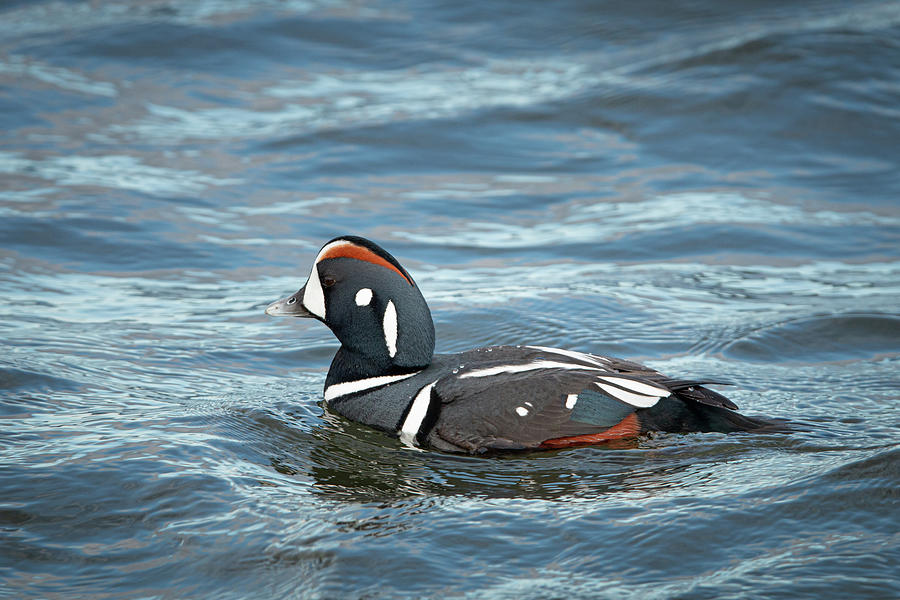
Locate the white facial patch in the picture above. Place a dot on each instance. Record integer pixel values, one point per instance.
(637, 386)
(389, 325)
(521, 411)
(314, 297)
(363, 297)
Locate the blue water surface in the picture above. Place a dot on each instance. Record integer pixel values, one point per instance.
(709, 187)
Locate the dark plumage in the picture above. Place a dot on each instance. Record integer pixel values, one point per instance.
(498, 398)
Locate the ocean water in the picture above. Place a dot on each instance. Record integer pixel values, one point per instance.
(711, 188)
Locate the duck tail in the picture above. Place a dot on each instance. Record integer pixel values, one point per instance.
(692, 407)
(692, 390)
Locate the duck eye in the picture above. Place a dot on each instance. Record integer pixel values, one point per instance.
(328, 281)
(292, 300)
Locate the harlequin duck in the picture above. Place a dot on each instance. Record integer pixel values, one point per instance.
(498, 398)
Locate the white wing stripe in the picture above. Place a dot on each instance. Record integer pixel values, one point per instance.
(637, 386)
(637, 400)
(597, 360)
(540, 364)
(351, 387)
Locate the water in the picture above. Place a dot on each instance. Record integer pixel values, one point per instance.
(711, 188)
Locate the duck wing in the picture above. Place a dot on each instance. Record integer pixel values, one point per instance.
(537, 403)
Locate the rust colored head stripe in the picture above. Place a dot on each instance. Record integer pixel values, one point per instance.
(350, 250)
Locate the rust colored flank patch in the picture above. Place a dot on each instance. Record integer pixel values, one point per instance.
(628, 427)
(348, 250)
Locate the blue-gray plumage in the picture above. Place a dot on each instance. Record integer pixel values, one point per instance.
(386, 375)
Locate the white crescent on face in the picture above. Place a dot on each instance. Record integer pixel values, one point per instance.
(313, 296)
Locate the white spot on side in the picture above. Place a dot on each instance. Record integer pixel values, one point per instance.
(637, 400)
(314, 297)
(571, 399)
(363, 297)
(351, 387)
(522, 411)
(539, 364)
(637, 386)
(389, 325)
(597, 360)
(416, 415)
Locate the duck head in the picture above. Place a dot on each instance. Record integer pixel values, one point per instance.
(370, 303)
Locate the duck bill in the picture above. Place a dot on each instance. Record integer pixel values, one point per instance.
(292, 306)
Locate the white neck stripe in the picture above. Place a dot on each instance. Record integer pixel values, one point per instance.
(351, 387)
(389, 326)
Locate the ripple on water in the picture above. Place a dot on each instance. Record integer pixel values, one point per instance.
(821, 339)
